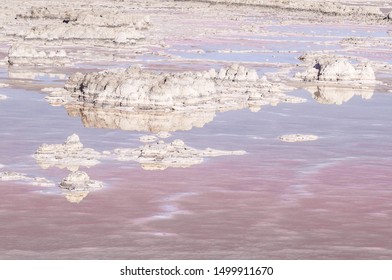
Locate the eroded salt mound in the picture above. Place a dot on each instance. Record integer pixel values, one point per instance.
(77, 185)
(161, 155)
(336, 69)
(70, 155)
(232, 87)
(22, 54)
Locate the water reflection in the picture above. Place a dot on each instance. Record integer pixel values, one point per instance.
(77, 185)
(338, 95)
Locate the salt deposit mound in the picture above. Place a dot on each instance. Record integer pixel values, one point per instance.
(70, 155)
(22, 54)
(336, 69)
(233, 87)
(77, 185)
(161, 155)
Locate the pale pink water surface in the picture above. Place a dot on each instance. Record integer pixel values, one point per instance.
(325, 199)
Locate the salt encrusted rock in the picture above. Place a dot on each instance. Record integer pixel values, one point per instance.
(161, 155)
(336, 69)
(78, 185)
(22, 54)
(70, 155)
(298, 138)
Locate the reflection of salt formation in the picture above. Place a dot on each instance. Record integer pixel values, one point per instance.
(70, 155)
(77, 185)
(22, 54)
(338, 95)
(159, 155)
(36, 181)
(134, 99)
(298, 137)
(140, 120)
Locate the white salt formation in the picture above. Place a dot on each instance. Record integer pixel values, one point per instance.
(336, 69)
(232, 87)
(136, 99)
(78, 185)
(298, 137)
(70, 155)
(22, 54)
(161, 155)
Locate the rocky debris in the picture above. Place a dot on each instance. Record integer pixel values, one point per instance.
(22, 54)
(15, 176)
(338, 95)
(161, 155)
(298, 137)
(70, 155)
(328, 68)
(77, 185)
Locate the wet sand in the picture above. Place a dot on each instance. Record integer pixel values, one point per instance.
(322, 199)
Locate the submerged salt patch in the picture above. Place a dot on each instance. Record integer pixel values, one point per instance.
(161, 155)
(298, 137)
(36, 181)
(77, 185)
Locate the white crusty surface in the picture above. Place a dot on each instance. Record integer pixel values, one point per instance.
(70, 155)
(161, 155)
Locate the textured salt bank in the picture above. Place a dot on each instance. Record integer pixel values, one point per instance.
(22, 54)
(70, 155)
(326, 7)
(23, 178)
(77, 185)
(161, 155)
(298, 137)
(233, 87)
(336, 69)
